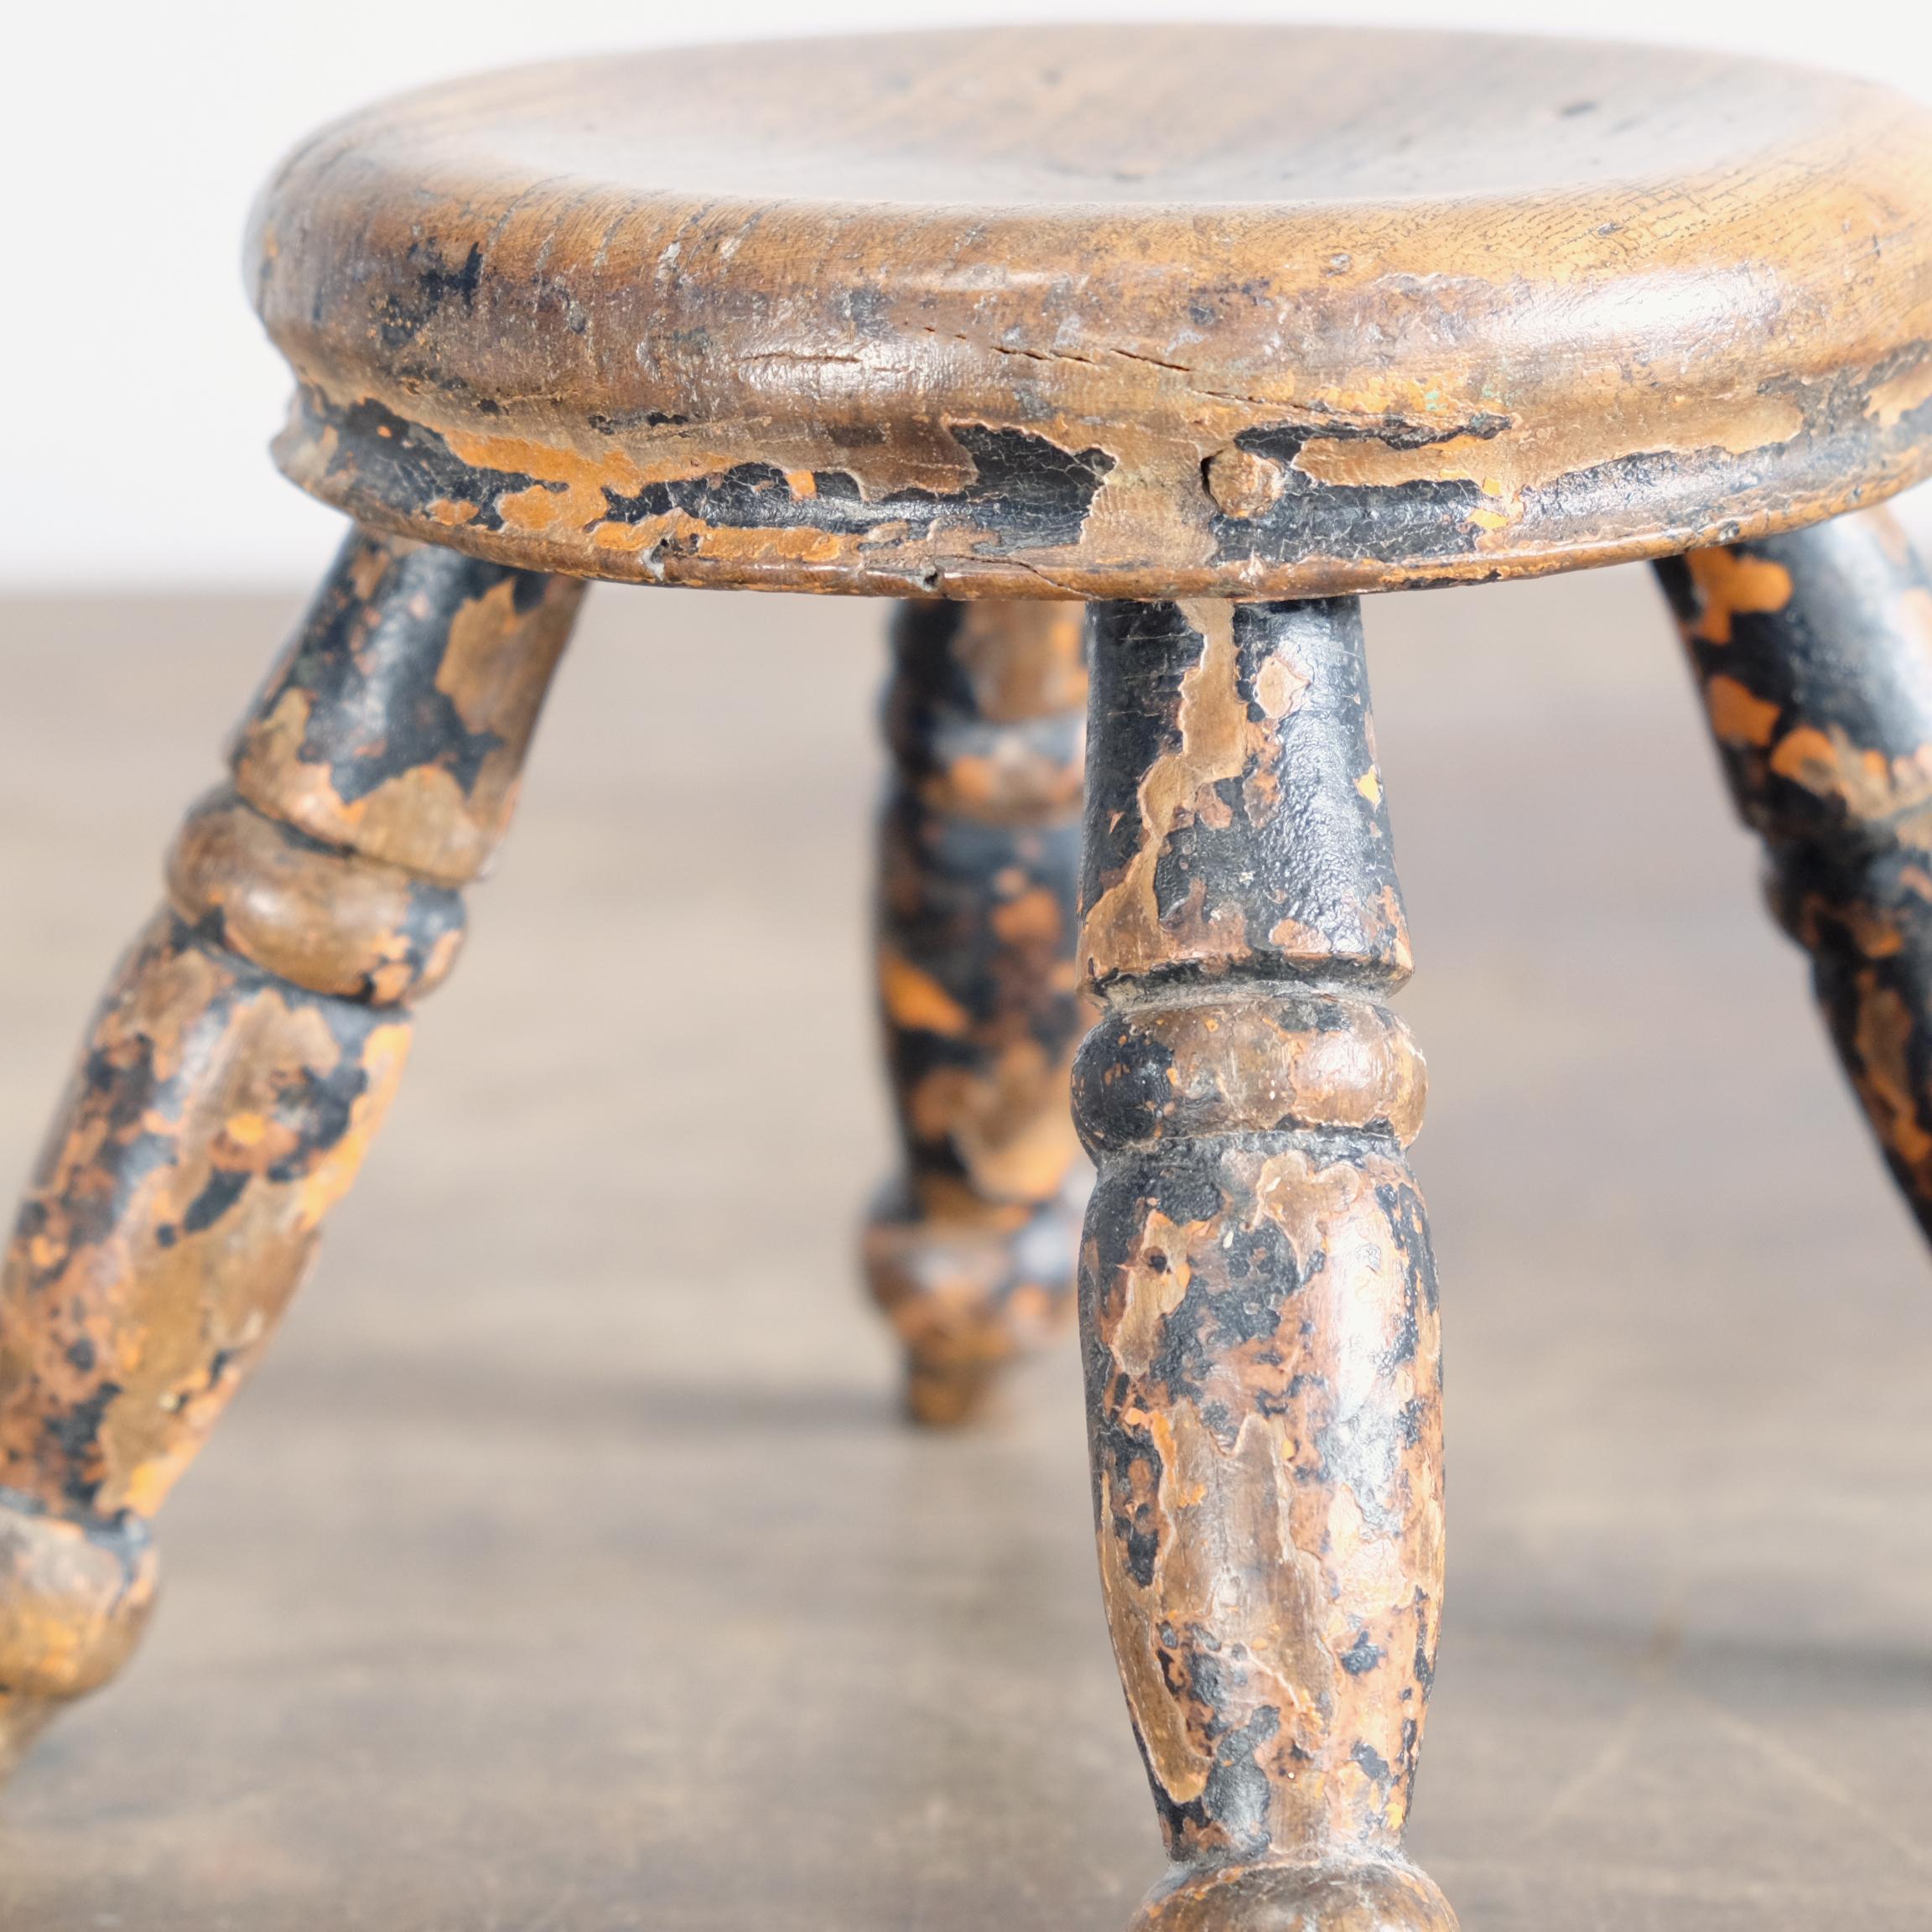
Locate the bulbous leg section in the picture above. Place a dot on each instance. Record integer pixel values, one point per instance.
(969, 1251)
(1369, 1897)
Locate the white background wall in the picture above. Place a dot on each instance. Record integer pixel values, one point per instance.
(139, 395)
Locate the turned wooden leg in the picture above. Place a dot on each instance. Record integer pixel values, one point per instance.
(242, 1060)
(970, 1249)
(1258, 1301)
(1813, 652)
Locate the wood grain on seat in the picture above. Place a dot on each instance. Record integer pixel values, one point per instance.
(1130, 312)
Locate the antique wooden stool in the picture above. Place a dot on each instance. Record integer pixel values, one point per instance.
(1214, 330)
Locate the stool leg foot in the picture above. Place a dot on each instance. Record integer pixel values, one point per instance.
(1258, 1298)
(969, 1250)
(1361, 1896)
(1814, 653)
(239, 1063)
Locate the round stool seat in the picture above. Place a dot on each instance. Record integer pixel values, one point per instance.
(1136, 312)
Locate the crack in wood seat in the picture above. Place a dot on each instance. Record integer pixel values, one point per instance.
(1241, 310)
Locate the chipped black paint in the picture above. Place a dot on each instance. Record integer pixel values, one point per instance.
(1258, 1297)
(1029, 504)
(403, 465)
(370, 667)
(403, 317)
(1398, 523)
(970, 1248)
(1813, 652)
(1405, 531)
(1026, 492)
(936, 723)
(134, 1102)
(946, 877)
(416, 665)
(1316, 859)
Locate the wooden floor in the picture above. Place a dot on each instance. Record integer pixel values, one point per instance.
(566, 1568)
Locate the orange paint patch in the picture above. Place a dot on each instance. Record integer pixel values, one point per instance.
(1731, 584)
(1899, 395)
(916, 1001)
(383, 1055)
(1738, 715)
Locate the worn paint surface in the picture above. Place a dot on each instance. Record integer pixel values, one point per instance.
(1161, 313)
(1814, 653)
(239, 1066)
(970, 1249)
(308, 912)
(1255, 311)
(217, 1115)
(1258, 1297)
(396, 721)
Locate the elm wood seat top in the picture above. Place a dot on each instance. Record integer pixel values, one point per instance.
(1129, 312)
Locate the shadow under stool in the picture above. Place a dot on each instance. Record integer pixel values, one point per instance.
(1210, 331)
